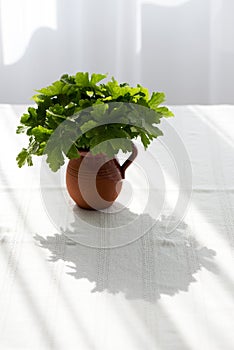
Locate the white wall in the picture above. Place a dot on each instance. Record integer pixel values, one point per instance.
(182, 47)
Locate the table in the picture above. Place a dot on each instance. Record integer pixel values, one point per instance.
(160, 291)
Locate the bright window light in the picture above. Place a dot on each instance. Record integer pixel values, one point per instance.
(18, 22)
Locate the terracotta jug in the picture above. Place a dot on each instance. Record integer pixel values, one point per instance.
(94, 182)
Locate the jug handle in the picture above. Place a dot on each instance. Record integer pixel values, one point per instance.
(129, 160)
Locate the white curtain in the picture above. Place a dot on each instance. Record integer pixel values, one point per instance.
(182, 47)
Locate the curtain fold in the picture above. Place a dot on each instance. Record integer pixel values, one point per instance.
(182, 47)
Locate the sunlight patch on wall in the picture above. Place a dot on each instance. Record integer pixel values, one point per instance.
(138, 28)
(140, 3)
(18, 22)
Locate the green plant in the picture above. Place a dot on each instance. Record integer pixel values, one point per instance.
(111, 112)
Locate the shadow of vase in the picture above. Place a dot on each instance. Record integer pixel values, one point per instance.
(157, 263)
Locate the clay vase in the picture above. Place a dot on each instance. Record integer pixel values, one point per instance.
(94, 182)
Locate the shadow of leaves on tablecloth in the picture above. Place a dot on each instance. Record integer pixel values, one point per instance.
(157, 263)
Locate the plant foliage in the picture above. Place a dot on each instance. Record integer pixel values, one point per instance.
(90, 113)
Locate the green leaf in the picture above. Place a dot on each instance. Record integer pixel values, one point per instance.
(39, 98)
(56, 113)
(85, 103)
(53, 90)
(152, 117)
(55, 158)
(152, 130)
(144, 139)
(94, 132)
(115, 131)
(41, 133)
(114, 88)
(33, 112)
(95, 78)
(119, 113)
(20, 129)
(121, 143)
(110, 147)
(41, 149)
(165, 112)
(145, 91)
(73, 153)
(43, 103)
(29, 119)
(88, 125)
(67, 79)
(99, 111)
(57, 110)
(29, 160)
(134, 129)
(25, 117)
(22, 157)
(82, 79)
(70, 108)
(33, 146)
(156, 99)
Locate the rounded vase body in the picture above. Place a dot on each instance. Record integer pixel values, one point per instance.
(95, 181)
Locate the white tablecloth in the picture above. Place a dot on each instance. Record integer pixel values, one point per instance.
(163, 291)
